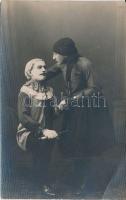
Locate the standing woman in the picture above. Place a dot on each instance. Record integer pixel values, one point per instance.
(86, 118)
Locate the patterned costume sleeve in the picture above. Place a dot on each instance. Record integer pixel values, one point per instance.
(24, 113)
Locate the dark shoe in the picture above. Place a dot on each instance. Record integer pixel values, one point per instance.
(48, 191)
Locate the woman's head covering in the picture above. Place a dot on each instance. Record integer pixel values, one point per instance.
(29, 66)
(65, 47)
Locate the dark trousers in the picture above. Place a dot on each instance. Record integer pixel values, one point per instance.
(41, 154)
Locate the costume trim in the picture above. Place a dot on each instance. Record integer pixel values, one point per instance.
(45, 95)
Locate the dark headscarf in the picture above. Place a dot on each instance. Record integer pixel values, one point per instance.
(65, 47)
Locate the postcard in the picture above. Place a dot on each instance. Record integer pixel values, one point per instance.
(63, 99)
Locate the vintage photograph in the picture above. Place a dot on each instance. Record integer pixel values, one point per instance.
(63, 99)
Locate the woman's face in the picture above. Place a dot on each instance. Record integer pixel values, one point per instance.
(38, 72)
(58, 58)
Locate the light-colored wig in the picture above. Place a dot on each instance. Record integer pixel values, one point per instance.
(29, 66)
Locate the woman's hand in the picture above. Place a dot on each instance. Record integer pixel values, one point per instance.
(49, 134)
(62, 105)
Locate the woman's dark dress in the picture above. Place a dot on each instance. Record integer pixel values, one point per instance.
(87, 120)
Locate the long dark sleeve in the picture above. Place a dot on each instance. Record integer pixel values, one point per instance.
(87, 74)
(24, 113)
(90, 80)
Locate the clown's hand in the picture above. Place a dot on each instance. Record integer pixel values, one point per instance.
(49, 134)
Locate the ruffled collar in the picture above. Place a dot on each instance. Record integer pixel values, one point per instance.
(38, 86)
(37, 90)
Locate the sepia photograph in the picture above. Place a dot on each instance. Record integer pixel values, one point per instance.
(63, 99)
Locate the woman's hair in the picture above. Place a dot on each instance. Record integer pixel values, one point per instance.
(65, 47)
(29, 66)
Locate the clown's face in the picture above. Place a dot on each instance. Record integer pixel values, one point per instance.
(38, 72)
